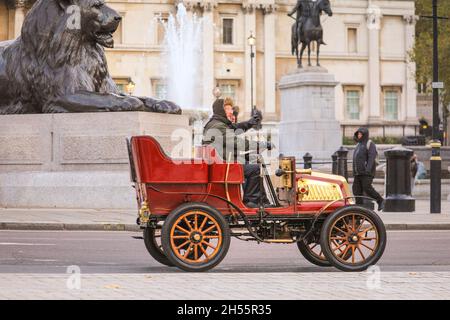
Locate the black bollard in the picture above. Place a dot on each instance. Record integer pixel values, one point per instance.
(307, 159)
(398, 180)
(342, 169)
(334, 163)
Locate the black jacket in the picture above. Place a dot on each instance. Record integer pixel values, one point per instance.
(363, 158)
(222, 134)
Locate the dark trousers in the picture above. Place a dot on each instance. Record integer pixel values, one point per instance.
(362, 185)
(251, 185)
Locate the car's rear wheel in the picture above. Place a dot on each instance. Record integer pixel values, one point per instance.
(195, 237)
(353, 238)
(152, 240)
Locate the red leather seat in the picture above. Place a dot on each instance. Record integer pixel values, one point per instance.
(153, 165)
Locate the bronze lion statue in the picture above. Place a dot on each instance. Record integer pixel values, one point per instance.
(58, 63)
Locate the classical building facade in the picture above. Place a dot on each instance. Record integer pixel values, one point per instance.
(368, 45)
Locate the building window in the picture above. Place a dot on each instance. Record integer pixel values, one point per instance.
(391, 104)
(228, 90)
(227, 31)
(353, 103)
(121, 83)
(160, 89)
(352, 46)
(163, 18)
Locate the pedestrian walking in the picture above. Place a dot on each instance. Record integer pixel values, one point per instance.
(365, 158)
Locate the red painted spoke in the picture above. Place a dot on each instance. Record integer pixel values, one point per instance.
(196, 221)
(365, 230)
(211, 237)
(182, 229)
(361, 253)
(345, 251)
(204, 251)
(334, 241)
(209, 244)
(340, 230)
(182, 245)
(209, 229)
(196, 252)
(346, 224)
(187, 251)
(353, 254)
(188, 223)
(371, 249)
(337, 238)
(360, 225)
(339, 246)
(180, 237)
(203, 223)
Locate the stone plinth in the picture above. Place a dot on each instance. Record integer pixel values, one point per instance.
(308, 122)
(76, 160)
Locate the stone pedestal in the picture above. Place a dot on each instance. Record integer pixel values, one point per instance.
(308, 122)
(76, 160)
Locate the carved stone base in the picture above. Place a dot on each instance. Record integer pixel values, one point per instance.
(308, 122)
(76, 160)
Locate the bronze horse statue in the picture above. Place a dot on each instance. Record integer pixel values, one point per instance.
(309, 30)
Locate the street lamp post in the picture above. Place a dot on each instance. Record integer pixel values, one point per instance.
(251, 41)
(130, 87)
(435, 160)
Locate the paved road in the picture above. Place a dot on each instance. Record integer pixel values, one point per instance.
(121, 252)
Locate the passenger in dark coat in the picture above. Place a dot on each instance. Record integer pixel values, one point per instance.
(364, 168)
(223, 134)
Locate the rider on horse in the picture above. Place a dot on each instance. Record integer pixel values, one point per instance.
(303, 10)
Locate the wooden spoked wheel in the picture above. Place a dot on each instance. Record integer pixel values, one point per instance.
(353, 238)
(356, 234)
(200, 236)
(195, 237)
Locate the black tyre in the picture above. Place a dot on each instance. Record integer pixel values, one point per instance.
(153, 247)
(353, 238)
(204, 235)
(312, 252)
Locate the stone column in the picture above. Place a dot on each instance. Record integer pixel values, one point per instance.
(249, 8)
(410, 82)
(208, 53)
(269, 60)
(374, 24)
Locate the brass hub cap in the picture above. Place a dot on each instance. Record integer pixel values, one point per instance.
(196, 237)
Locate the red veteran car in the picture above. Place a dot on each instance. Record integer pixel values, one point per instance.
(190, 208)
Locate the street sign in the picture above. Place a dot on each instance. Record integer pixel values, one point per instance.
(438, 85)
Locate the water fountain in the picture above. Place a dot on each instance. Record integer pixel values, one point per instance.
(182, 59)
(182, 66)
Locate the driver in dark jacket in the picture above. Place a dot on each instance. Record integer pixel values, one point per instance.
(223, 135)
(364, 168)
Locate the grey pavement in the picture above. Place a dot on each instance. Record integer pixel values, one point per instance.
(124, 220)
(374, 284)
